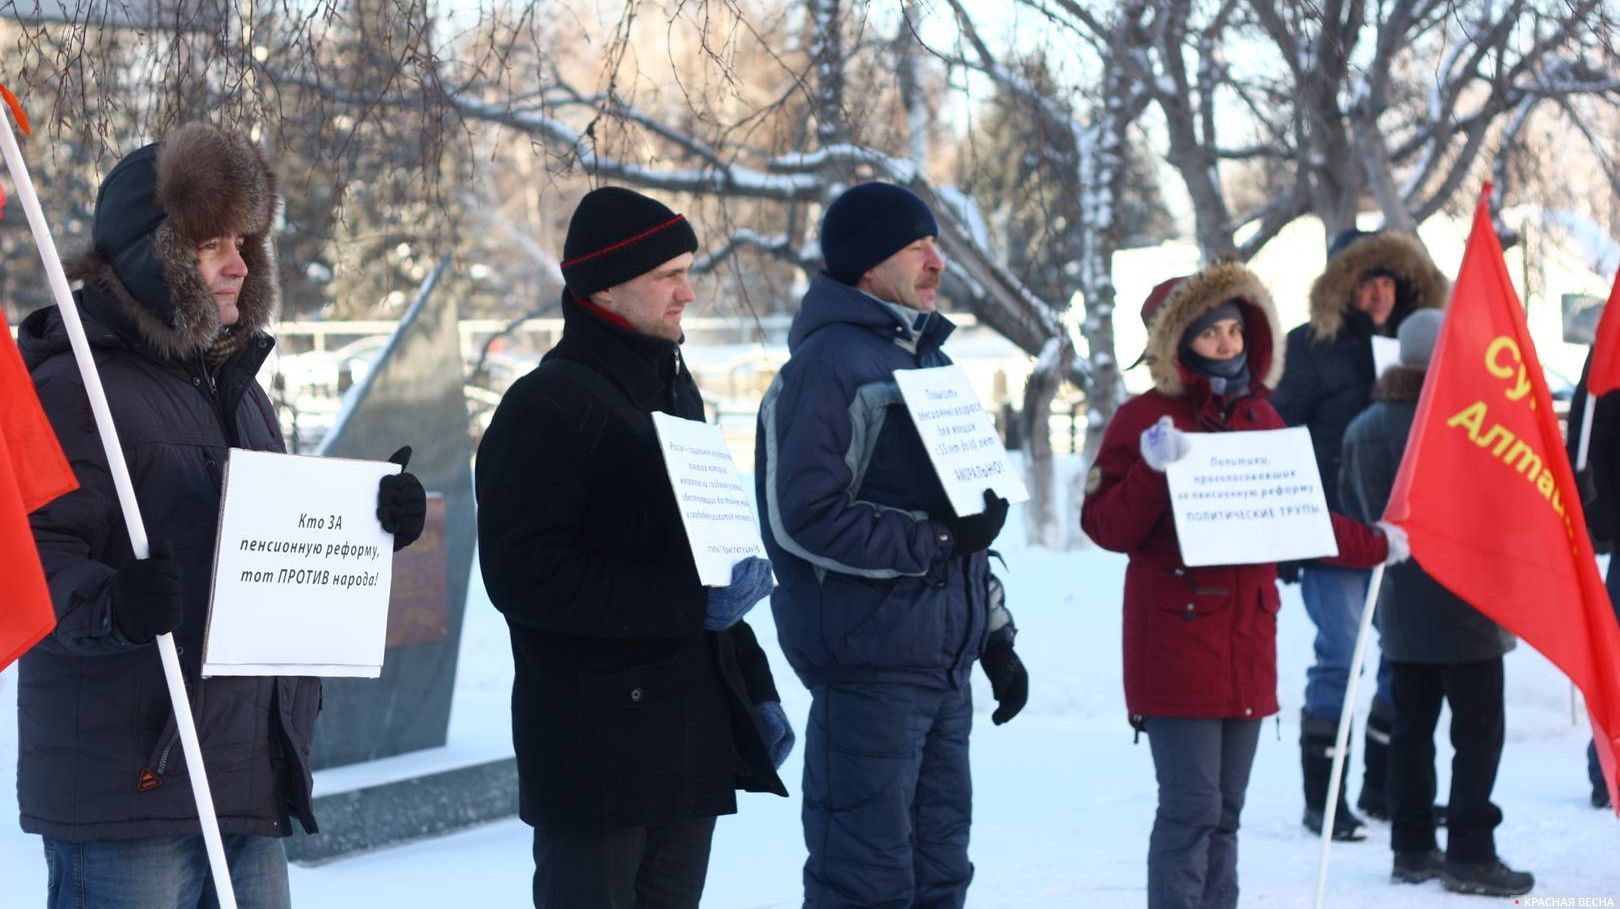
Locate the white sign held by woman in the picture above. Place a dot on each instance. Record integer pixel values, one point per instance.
(960, 439)
(1243, 498)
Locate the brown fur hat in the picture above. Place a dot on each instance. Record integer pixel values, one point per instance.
(1199, 293)
(1420, 283)
(154, 208)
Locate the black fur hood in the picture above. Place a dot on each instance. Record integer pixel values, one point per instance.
(154, 208)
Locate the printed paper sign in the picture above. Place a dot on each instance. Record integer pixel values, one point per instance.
(303, 568)
(1241, 498)
(713, 498)
(1386, 353)
(961, 440)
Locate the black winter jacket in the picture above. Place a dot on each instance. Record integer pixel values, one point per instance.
(1330, 372)
(1419, 620)
(100, 754)
(625, 711)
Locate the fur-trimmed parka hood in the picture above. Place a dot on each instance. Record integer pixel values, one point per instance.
(1199, 293)
(1400, 384)
(154, 208)
(1419, 284)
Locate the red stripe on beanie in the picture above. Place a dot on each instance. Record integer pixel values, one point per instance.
(623, 243)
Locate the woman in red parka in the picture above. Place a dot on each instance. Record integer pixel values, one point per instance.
(1200, 643)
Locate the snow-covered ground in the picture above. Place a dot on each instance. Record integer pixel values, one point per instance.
(1063, 800)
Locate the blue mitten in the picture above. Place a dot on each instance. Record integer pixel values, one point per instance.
(750, 583)
(778, 732)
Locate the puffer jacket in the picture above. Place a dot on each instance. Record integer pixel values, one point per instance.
(1419, 621)
(1198, 642)
(852, 513)
(1330, 371)
(99, 753)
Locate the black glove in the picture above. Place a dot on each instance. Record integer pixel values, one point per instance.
(975, 532)
(401, 502)
(1288, 572)
(146, 595)
(1009, 681)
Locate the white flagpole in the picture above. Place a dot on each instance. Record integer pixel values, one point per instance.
(1585, 447)
(189, 744)
(1341, 747)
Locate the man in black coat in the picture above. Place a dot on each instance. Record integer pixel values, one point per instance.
(1440, 650)
(179, 287)
(1372, 282)
(641, 700)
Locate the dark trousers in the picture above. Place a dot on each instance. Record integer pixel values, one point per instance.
(1474, 691)
(659, 867)
(1202, 766)
(888, 798)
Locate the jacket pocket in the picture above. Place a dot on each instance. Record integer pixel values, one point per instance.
(634, 720)
(895, 624)
(1193, 593)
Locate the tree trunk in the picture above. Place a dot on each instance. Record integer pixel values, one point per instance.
(1041, 520)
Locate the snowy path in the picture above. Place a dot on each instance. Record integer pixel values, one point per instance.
(1063, 801)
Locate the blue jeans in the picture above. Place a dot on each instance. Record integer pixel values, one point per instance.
(163, 872)
(1334, 598)
(888, 797)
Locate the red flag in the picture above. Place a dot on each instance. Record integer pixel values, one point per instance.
(1604, 376)
(32, 472)
(1488, 497)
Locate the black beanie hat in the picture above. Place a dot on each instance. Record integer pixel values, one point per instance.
(618, 234)
(869, 223)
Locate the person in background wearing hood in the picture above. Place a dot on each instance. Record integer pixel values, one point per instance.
(1200, 643)
(179, 286)
(642, 701)
(1372, 282)
(1440, 650)
(887, 598)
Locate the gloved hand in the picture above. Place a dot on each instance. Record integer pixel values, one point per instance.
(1288, 572)
(401, 502)
(1009, 681)
(776, 730)
(1400, 549)
(146, 595)
(1162, 443)
(750, 583)
(976, 532)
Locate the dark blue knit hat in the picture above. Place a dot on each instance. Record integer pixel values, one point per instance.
(617, 234)
(869, 223)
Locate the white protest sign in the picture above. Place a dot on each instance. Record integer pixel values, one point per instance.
(302, 569)
(961, 441)
(1241, 498)
(713, 498)
(1386, 353)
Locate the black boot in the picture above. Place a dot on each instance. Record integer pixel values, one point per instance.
(1486, 879)
(1417, 867)
(1316, 766)
(1374, 799)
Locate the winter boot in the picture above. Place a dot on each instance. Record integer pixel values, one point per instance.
(1486, 879)
(1374, 800)
(1600, 795)
(1417, 867)
(1316, 765)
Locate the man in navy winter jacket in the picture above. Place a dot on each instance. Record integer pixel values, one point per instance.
(886, 596)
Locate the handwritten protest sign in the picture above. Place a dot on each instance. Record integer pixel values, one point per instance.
(715, 505)
(962, 443)
(302, 570)
(1241, 498)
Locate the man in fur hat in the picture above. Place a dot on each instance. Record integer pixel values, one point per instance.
(1372, 282)
(178, 288)
(642, 701)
